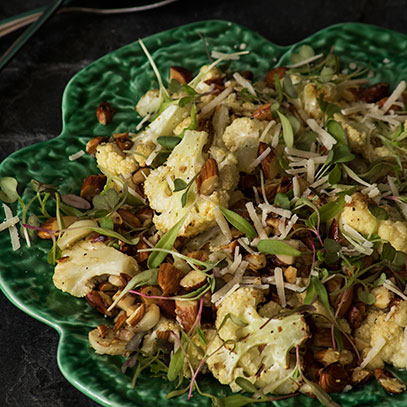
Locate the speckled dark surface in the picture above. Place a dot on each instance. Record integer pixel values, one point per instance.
(30, 98)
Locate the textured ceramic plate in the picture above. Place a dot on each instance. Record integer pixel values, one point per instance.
(121, 77)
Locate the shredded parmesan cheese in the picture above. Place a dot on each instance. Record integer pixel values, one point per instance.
(15, 239)
(244, 242)
(154, 154)
(285, 213)
(244, 83)
(394, 96)
(324, 137)
(260, 158)
(296, 187)
(300, 153)
(276, 136)
(222, 223)
(390, 286)
(374, 351)
(256, 221)
(306, 61)
(145, 118)
(76, 155)
(216, 101)
(9, 222)
(390, 313)
(278, 274)
(355, 177)
(266, 130)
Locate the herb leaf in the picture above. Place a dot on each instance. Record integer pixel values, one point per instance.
(367, 297)
(329, 210)
(179, 185)
(282, 200)
(320, 290)
(236, 320)
(8, 189)
(107, 200)
(168, 142)
(246, 385)
(272, 246)
(166, 242)
(378, 212)
(176, 365)
(336, 130)
(115, 235)
(239, 222)
(288, 133)
(289, 88)
(335, 175)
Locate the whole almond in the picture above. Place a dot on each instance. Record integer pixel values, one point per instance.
(105, 113)
(263, 112)
(129, 218)
(52, 224)
(193, 280)
(334, 378)
(93, 143)
(187, 312)
(92, 185)
(180, 74)
(280, 72)
(169, 278)
(208, 179)
(389, 382)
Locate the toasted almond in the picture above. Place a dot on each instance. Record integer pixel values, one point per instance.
(120, 320)
(142, 256)
(92, 185)
(103, 330)
(257, 261)
(92, 144)
(52, 224)
(263, 112)
(361, 376)
(290, 274)
(327, 356)
(344, 301)
(193, 280)
(96, 301)
(180, 74)
(164, 335)
(150, 290)
(389, 382)
(374, 93)
(201, 255)
(280, 72)
(144, 214)
(169, 278)
(137, 315)
(187, 312)
(356, 314)
(129, 218)
(106, 286)
(334, 378)
(123, 141)
(269, 165)
(140, 175)
(167, 307)
(208, 179)
(230, 247)
(105, 113)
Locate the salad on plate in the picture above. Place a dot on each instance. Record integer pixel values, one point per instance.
(254, 229)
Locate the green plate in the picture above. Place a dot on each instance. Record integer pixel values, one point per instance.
(121, 77)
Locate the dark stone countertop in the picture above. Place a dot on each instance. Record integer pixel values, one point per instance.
(30, 98)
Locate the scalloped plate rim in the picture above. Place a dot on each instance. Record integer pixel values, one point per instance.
(61, 330)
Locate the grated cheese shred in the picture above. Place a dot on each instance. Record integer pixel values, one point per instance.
(376, 348)
(15, 239)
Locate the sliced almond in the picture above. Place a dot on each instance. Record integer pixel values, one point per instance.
(208, 179)
(187, 312)
(193, 280)
(103, 330)
(169, 278)
(129, 218)
(52, 224)
(180, 74)
(93, 143)
(263, 112)
(92, 185)
(97, 302)
(120, 320)
(105, 113)
(137, 315)
(142, 256)
(269, 165)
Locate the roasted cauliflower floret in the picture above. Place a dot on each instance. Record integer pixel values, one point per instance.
(112, 161)
(208, 75)
(374, 326)
(149, 103)
(163, 125)
(255, 345)
(184, 163)
(356, 133)
(242, 138)
(107, 344)
(163, 329)
(86, 263)
(310, 95)
(357, 215)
